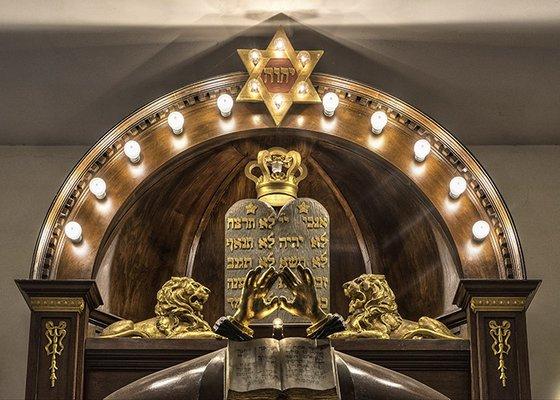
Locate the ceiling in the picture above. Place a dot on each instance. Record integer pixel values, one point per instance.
(487, 71)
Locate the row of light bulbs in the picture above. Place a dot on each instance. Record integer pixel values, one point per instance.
(176, 121)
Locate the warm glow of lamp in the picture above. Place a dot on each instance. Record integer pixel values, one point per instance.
(457, 187)
(480, 230)
(225, 104)
(176, 122)
(303, 57)
(255, 56)
(330, 103)
(98, 188)
(278, 100)
(254, 85)
(279, 44)
(73, 231)
(421, 150)
(378, 122)
(132, 151)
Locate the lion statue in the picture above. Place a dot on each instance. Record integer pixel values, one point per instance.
(178, 314)
(374, 314)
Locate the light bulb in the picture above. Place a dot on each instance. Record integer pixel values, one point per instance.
(279, 44)
(254, 85)
(303, 57)
(98, 187)
(302, 88)
(73, 231)
(225, 104)
(378, 122)
(277, 323)
(255, 56)
(330, 102)
(176, 122)
(278, 100)
(457, 187)
(480, 230)
(132, 151)
(421, 150)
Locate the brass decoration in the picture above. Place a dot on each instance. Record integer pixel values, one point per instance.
(280, 173)
(55, 334)
(258, 235)
(497, 304)
(279, 76)
(500, 332)
(61, 304)
(374, 314)
(178, 314)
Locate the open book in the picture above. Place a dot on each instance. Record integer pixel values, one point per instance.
(292, 368)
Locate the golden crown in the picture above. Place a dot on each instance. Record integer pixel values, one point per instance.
(280, 172)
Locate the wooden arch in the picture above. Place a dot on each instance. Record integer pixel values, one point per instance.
(207, 139)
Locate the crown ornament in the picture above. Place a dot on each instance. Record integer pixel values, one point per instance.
(280, 172)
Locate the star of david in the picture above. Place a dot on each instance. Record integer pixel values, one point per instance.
(279, 76)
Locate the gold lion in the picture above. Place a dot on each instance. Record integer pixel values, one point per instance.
(178, 314)
(374, 314)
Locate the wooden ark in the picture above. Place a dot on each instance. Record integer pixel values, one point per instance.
(389, 215)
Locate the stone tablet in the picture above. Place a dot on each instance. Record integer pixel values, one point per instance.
(256, 235)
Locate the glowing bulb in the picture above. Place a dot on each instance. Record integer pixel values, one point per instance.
(73, 231)
(421, 150)
(254, 85)
(277, 323)
(457, 187)
(225, 104)
(176, 122)
(330, 102)
(480, 230)
(279, 44)
(302, 88)
(303, 57)
(132, 151)
(378, 122)
(98, 187)
(255, 56)
(278, 100)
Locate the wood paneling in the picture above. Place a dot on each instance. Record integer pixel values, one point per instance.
(379, 223)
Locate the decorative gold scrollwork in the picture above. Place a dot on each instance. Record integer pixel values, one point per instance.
(500, 347)
(55, 334)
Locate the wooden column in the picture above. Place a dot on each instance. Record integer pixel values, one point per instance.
(495, 312)
(59, 317)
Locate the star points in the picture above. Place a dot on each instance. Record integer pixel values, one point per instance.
(279, 76)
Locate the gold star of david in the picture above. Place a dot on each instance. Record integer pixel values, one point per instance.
(279, 76)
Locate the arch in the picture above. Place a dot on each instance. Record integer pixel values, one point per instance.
(499, 256)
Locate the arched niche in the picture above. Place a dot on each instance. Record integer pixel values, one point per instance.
(389, 213)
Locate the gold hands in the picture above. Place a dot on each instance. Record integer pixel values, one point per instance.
(305, 302)
(253, 304)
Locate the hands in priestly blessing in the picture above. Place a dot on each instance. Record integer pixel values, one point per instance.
(259, 282)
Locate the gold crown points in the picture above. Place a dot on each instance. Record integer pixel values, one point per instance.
(280, 172)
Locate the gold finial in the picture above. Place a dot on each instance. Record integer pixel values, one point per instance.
(281, 171)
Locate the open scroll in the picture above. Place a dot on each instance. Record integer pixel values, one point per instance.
(255, 234)
(292, 368)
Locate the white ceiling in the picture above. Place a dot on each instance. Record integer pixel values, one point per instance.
(487, 70)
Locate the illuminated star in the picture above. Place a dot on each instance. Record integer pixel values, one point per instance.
(279, 76)
(303, 207)
(251, 208)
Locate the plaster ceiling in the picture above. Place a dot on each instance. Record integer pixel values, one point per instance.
(488, 71)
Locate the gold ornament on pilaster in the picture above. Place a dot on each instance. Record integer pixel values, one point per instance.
(55, 334)
(279, 76)
(497, 304)
(500, 332)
